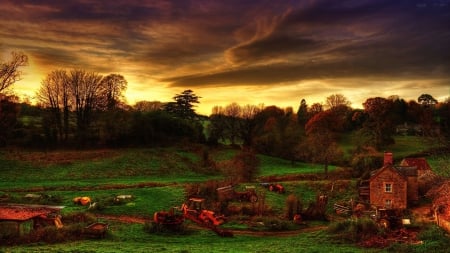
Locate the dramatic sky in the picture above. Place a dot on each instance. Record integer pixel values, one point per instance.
(271, 52)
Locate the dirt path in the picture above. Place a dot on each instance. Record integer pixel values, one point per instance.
(124, 218)
(141, 220)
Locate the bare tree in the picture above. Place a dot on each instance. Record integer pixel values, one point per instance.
(248, 123)
(233, 112)
(337, 100)
(85, 90)
(54, 94)
(9, 71)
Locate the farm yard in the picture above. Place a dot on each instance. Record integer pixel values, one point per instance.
(126, 187)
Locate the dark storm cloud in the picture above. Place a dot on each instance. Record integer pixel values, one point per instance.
(212, 43)
(336, 39)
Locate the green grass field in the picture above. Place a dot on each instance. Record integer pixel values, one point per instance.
(156, 179)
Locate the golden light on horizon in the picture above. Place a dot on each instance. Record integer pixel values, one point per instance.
(271, 53)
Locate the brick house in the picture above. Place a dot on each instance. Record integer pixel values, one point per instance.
(419, 162)
(393, 187)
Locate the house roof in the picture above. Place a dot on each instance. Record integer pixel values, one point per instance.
(375, 173)
(18, 212)
(407, 171)
(403, 171)
(421, 163)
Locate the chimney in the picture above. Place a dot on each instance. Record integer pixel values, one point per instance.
(388, 160)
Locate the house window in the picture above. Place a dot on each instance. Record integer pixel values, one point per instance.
(388, 203)
(387, 187)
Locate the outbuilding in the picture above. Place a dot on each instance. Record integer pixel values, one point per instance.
(19, 219)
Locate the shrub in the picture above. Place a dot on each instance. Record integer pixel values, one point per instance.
(362, 163)
(293, 206)
(353, 230)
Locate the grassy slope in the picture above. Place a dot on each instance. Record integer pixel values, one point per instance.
(132, 239)
(132, 167)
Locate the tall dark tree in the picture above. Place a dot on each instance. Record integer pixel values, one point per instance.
(85, 89)
(112, 91)
(248, 124)
(321, 142)
(9, 108)
(427, 100)
(427, 114)
(302, 113)
(444, 120)
(184, 104)
(379, 126)
(54, 95)
(9, 111)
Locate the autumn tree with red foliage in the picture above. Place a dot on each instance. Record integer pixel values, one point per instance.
(321, 142)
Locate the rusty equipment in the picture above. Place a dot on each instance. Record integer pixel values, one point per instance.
(389, 218)
(171, 220)
(229, 193)
(96, 230)
(192, 210)
(84, 201)
(278, 188)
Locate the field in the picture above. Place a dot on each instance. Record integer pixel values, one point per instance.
(157, 180)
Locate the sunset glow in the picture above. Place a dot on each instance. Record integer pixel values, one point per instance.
(249, 52)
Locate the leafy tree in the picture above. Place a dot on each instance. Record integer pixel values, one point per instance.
(268, 136)
(379, 126)
(148, 106)
(321, 144)
(246, 165)
(427, 114)
(157, 128)
(183, 107)
(113, 88)
(427, 100)
(9, 71)
(399, 110)
(444, 120)
(315, 109)
(234, 123)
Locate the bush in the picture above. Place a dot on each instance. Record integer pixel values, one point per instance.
(293, 206)
(362, 163)
(353, 230)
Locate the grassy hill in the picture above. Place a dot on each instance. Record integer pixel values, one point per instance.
(157, 180)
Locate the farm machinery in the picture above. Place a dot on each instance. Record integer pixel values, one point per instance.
(192, 210)
(385, 218)
(229, 193)
(278, 188)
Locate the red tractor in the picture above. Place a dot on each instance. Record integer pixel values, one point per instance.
(171, 220)
(194, 211)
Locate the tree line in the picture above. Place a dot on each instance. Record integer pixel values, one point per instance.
(79, 108)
